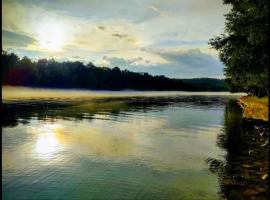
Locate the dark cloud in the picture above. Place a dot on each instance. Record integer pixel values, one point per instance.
(147, 61)
(194, 58)
(189, 64)
(192, 63)
(119, 35)
(101, 27)
(15, 39)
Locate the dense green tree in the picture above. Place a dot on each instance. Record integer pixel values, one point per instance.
(243, 47)
(54, 74)
(9, 62)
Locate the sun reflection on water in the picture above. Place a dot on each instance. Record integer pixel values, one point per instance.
(47, 144)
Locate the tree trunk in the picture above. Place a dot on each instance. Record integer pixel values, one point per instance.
(267, 92)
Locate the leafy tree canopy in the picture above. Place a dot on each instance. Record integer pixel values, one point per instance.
(243, 47)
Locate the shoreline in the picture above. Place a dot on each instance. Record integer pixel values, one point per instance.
(254, 108)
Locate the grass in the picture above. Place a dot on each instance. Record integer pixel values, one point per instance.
(254, 107)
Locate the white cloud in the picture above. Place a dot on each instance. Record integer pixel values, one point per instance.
(120, 30)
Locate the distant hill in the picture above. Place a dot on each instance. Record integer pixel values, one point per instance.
(53, 74)
(210, 84)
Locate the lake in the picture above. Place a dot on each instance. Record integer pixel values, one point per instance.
(68, 144)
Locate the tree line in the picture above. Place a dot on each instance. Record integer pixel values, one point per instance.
(50, 73)
(243, 47)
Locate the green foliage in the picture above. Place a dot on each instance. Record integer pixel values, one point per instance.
(243, 46)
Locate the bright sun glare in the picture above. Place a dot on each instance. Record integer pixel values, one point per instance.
(47, 144)
(51, 36)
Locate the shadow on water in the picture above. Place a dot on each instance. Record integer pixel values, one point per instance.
(243, 174)
(22, 111)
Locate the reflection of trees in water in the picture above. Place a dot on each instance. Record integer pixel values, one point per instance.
(23, 111)
(241, 175)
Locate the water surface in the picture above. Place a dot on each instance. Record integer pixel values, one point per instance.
(60, 144)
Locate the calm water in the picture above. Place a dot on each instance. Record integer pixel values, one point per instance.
(82, 145)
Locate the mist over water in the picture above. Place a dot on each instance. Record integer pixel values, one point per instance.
(69, 144)
(26, 93)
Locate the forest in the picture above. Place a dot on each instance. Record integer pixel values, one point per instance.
(49, 73)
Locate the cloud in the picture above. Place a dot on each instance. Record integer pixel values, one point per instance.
(102, 27)
(162, 33)
(194, 58)
(35, 55)
(11, 39)
(119, 35)
(174, 42)
(121, 62)
(192, 63)
(180, 64)
(159, 11)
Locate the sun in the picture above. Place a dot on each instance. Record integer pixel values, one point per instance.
(51, 36)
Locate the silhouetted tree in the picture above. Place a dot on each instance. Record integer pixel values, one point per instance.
(53, 74)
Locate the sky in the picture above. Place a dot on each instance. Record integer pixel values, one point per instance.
(161, 37)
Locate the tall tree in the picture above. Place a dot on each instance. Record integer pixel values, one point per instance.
(243, 46)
